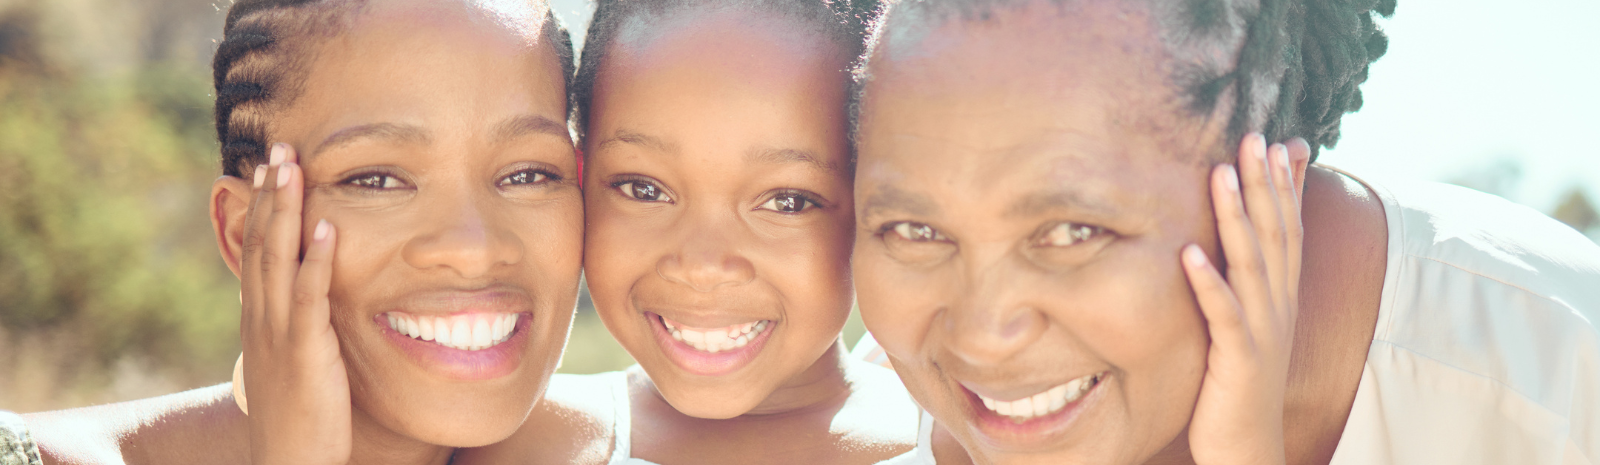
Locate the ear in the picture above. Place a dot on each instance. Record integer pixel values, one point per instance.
(230, 202)
(1299, 161)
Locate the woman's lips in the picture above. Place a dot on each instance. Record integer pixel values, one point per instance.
(710, 351)
(1025, 422)
(468, 346)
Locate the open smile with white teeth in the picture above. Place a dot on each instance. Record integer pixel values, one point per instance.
(713, 340)
(1044, 403)
(470, 331)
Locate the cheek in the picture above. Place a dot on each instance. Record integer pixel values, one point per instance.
(896, 305)
(619, 250)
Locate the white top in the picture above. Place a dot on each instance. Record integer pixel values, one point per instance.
(1485, 349)
(622, 453)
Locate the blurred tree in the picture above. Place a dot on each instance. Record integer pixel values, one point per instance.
(1577, 211)
(106, 253)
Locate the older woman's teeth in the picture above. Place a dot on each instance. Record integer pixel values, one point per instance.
(716, 339)
(1050, 401)
(474, 331)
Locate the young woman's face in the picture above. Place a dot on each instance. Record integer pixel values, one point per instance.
(434, 138)
(719, 207)
(1026, 184)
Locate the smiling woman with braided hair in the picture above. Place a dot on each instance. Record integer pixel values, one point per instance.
(409, 279)
(1035, 248)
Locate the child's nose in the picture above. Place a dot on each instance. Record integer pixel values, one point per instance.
(706, 261)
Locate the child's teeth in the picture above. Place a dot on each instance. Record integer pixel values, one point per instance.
(473, 331)
(716, 339)
(1044, 403)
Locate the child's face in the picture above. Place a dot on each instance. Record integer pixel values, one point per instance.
(718, 201)
(1026, 184)
(435, 140)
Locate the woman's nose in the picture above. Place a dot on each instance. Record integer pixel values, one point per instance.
(706, 259)
(991, 321)
(465, 240)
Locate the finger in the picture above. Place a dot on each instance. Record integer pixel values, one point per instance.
(280, 254)
(1299, 161)
(250, 292)
(1293, 231)
(1246, 271)
(311, 314)
(1224, 317)
(1261, 207)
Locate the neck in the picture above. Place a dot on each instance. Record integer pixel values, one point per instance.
(374, 443)
(822, 385)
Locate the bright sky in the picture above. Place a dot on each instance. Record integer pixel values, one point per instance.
(1468, 86)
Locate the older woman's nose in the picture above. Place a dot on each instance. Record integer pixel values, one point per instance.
(991, 321)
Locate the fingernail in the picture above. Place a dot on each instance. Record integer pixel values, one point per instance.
(283, 175)
(1230, 178)
(1193, 256)
(322, 230)
(279, 151)
(261, 175)
(1283, 159)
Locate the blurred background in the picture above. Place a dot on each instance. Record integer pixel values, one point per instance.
(111, 288)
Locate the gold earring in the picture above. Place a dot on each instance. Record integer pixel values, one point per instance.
(238, 386)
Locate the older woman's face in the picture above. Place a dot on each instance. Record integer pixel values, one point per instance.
(1025, 185)
(436, 142)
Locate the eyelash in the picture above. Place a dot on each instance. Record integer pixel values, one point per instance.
(630, 188)
(368, 179)
(535, 174)
(804, 200)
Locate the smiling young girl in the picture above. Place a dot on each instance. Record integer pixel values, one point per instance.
(718, 199)
(435, 187)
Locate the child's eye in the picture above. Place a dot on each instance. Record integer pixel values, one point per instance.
(375, 181)
(642, 190)
(1066, 234)
(525, 177)
(917, 232)
(789, 202)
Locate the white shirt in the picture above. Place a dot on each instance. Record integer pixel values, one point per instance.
(1485, 349)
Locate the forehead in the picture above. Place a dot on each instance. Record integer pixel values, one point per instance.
(730, 78)
(423, 62)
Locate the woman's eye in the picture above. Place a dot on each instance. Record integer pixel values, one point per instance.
(1065, 234)
(788, 203)
(917, 232)
(524, 177)
(375, 181)
(643, 190)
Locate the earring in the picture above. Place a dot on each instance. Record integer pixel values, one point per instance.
(238, 386)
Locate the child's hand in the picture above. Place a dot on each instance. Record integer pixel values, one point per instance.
(299, 394)
(1250, 315)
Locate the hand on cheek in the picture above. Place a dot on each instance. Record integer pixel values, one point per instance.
(1251, 314)
(299, 394)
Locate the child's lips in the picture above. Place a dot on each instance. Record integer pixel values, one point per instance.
(710, 351)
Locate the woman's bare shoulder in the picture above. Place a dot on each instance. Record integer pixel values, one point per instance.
(197, 426)
(573, 424)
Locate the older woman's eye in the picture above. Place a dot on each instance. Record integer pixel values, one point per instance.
(375, 181)
(917, 232)
(788, 202)
(525, 177)
(1066, 234)
(642, 190)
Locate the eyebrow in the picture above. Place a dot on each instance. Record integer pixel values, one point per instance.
(889, 198)
(527, 125)
(1041, 202)
(391, 132)
(634, 138)
(783, 156)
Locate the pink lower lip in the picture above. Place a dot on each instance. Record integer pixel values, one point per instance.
(463, 365)
(706, 363)
(1000, 430)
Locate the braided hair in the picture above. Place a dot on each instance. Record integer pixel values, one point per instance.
(1295, 66)
(261, 65)
(844, 22)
